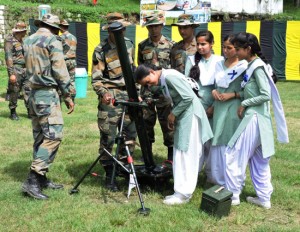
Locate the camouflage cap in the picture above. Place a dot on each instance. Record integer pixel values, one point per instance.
(49, 19)
(154, 19)
(115, 17)
(186, 20)
(64, 22)
(19, 27)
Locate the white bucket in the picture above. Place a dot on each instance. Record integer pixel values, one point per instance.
(44, 9)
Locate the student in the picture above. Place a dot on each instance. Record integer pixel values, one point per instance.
(186, 116)
(227, 94)
(201, 67)
(253, 141)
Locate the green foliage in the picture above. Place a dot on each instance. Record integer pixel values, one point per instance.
(75, 10)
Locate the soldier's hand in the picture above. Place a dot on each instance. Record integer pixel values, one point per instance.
(12, 79)
(70, 106)
(106, 98)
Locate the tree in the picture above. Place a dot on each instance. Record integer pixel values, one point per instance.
(297, 3)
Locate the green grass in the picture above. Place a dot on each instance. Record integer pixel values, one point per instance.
(96, 209)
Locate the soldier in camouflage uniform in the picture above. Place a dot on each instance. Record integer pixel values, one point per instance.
(69, 43)
(14, 57)
(108, 83)
(187, 46)
(156, 50)
(47, 72)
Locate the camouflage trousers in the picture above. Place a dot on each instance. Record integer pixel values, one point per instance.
(109, 121)
(71, 65)
(161, 110)
(14, 89)
(47, 127)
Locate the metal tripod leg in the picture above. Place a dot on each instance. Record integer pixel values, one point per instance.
(119, 141)
(143, 210)
(74, 189)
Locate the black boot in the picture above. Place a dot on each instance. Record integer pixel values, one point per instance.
(108, 176)
(32, 186)
(170, 153)
(46, 183)
(13, 115)
(28, 114)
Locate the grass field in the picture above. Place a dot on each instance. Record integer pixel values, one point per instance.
(96, 209)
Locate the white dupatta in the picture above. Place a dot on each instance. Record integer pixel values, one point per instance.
(207, 77)
(225, 77)
(282, 131)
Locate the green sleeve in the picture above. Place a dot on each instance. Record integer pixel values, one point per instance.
(263, 87)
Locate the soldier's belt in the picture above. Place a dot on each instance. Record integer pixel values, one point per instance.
(19, 65)
(34, 86)
(117, 87)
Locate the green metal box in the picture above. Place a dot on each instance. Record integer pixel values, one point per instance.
(216, 201)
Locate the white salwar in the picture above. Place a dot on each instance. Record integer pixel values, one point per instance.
(247, 149)
(186, 164)
(216, 173)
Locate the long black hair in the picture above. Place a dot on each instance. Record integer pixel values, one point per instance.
(195, 70)
(244, 40)
(144, 70)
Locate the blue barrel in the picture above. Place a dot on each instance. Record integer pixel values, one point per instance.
(81, 77)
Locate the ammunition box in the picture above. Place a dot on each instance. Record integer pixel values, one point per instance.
(216, 201)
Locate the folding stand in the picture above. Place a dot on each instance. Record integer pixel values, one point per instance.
(119, 141)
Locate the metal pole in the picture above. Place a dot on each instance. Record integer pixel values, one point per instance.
(136, 113)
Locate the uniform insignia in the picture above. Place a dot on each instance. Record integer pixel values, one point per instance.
(146, 51)
(178, 56)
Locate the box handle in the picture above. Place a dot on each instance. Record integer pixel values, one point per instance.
(219, 189)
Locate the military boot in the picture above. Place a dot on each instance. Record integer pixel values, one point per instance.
(28, 114)
(13, 115)
(46, 183)
(32, 186)
(170, 153)
(108, 176)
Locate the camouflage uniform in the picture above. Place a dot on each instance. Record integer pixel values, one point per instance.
(159, 55)
(179, 53)
(107, 77)
(14, 57)
(69, 43)
(47, 72)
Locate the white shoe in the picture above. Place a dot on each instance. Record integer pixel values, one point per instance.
(173, 195)
(256, 201)
(175, 200)
(235, 202)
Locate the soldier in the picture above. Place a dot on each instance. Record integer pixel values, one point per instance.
(14, 57)
(47, 72)
(69, 43)
(156, 50)
(187, 46)
(108, 82)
